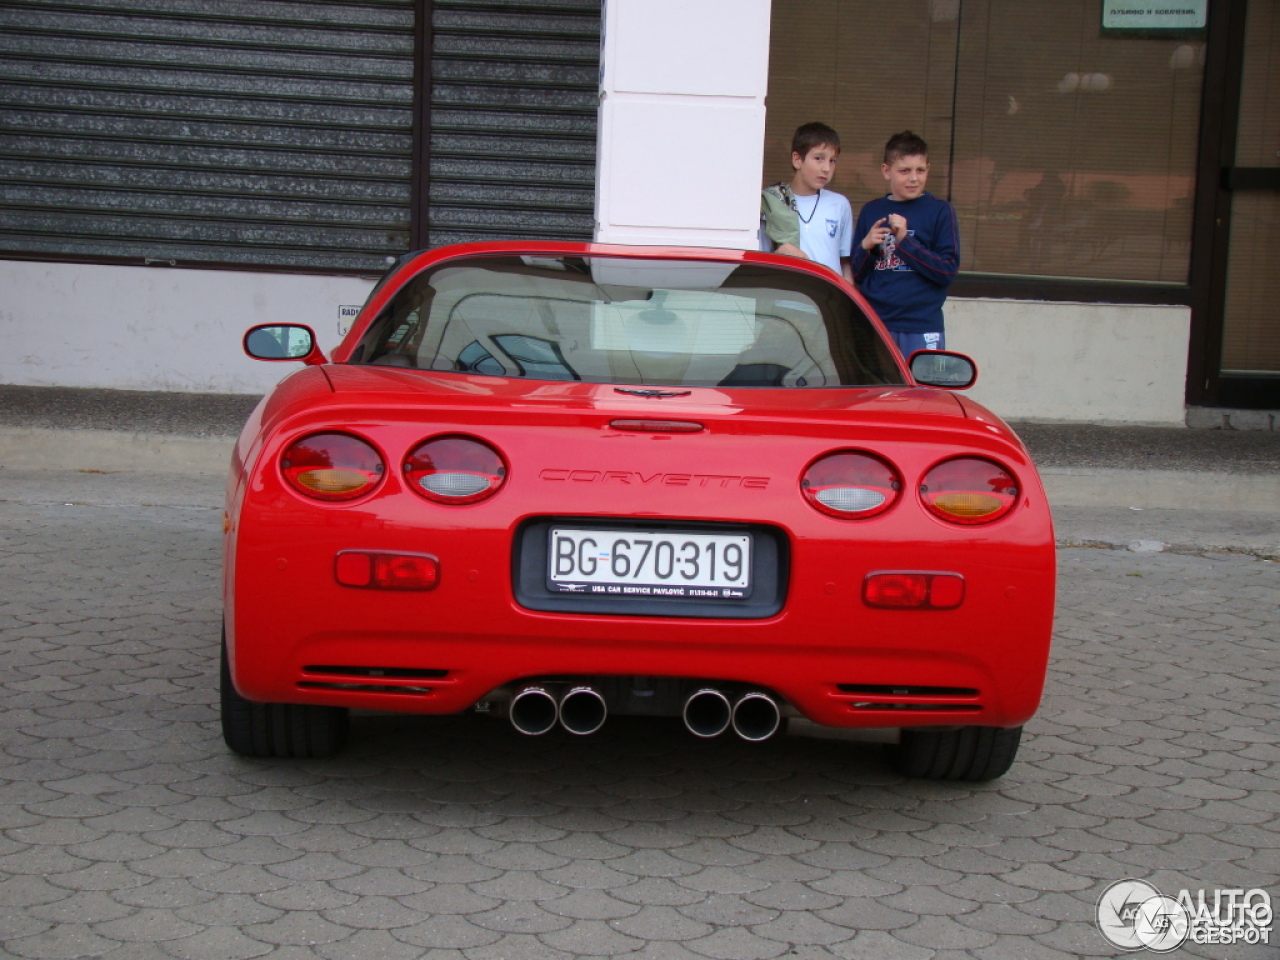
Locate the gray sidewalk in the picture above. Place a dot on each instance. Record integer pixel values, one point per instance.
(130, 833)
(1144, 488)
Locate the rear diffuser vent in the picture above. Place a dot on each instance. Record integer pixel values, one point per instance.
(875, 696)
(389, 680)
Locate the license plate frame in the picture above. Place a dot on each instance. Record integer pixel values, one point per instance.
(636, 563)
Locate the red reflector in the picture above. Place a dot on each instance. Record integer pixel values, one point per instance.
(938, 591)
(354, 569)
(387, 571)
(897, 590)
(946, 590)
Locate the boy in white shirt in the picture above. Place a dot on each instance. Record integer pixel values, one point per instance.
(802, 218)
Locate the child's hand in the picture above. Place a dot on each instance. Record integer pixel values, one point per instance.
(876, 235)
(897, 225)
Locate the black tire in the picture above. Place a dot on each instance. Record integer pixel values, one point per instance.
(278, 729)
(967, 753)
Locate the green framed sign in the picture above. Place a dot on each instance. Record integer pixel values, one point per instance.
(1165, 18)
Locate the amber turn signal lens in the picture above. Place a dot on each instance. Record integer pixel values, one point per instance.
(332, 466)
(969, 490)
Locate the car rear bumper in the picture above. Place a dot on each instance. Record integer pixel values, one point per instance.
(875, 669)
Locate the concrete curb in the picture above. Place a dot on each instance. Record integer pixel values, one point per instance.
(1155, 489)
(113, 451)
(1198, 549)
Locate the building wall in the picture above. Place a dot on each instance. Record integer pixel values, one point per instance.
(155, 328)
(1096, 363)
(143, 328)
(679, 161)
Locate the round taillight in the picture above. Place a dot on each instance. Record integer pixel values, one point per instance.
(969, 490)
(331, 466)
(850, 485)
(455, 470)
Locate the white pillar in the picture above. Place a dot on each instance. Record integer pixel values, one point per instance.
(682, 111)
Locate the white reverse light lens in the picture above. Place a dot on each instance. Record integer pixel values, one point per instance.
(850, 499)
(455, 484)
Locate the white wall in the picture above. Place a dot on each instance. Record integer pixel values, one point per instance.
(149, 328)
(154, 328)
(681, 135)
(1075, 361)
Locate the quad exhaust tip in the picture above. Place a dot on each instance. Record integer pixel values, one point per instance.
(533, 710)
(707, 713)
(583, 710)
(756, 716)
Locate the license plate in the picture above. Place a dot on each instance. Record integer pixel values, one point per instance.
(639, 563)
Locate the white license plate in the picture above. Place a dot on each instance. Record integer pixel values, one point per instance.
(641, 563)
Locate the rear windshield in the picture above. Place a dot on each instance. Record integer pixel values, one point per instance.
(629, 321)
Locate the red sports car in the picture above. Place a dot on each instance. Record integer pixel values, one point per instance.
(555, 481)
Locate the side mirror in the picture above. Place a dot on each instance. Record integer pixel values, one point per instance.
(283, 341)
(941, 368)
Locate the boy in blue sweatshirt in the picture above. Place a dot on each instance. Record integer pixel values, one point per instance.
(909, 251)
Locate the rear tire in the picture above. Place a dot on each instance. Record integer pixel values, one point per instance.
(278, 729)
(969, 753)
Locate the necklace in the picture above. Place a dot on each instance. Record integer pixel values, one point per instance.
(816, 198)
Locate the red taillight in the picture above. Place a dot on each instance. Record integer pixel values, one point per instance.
(331, 466)
(386, 571)
(937, 591)
(851, 486)
(455, 470)
(969, 490)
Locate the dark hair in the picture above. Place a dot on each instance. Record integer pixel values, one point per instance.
(810, 135)
(904, 144)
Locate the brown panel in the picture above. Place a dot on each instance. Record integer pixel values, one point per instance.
(1251, 324)
(1066, 153)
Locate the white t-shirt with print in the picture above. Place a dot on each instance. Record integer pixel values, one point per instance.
(826, 228)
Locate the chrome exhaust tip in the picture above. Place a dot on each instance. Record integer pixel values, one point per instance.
(583, 710)
(533, 710)
(707, 713)
(756, 716)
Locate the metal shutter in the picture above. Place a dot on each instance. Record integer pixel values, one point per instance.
(258, 132)
(514, 93)
(280, 133)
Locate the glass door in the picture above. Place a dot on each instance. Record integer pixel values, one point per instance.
(1249, 370)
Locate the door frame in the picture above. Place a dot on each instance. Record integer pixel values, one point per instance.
(1216, 179)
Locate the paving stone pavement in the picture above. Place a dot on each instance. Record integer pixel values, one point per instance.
(128, 832)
